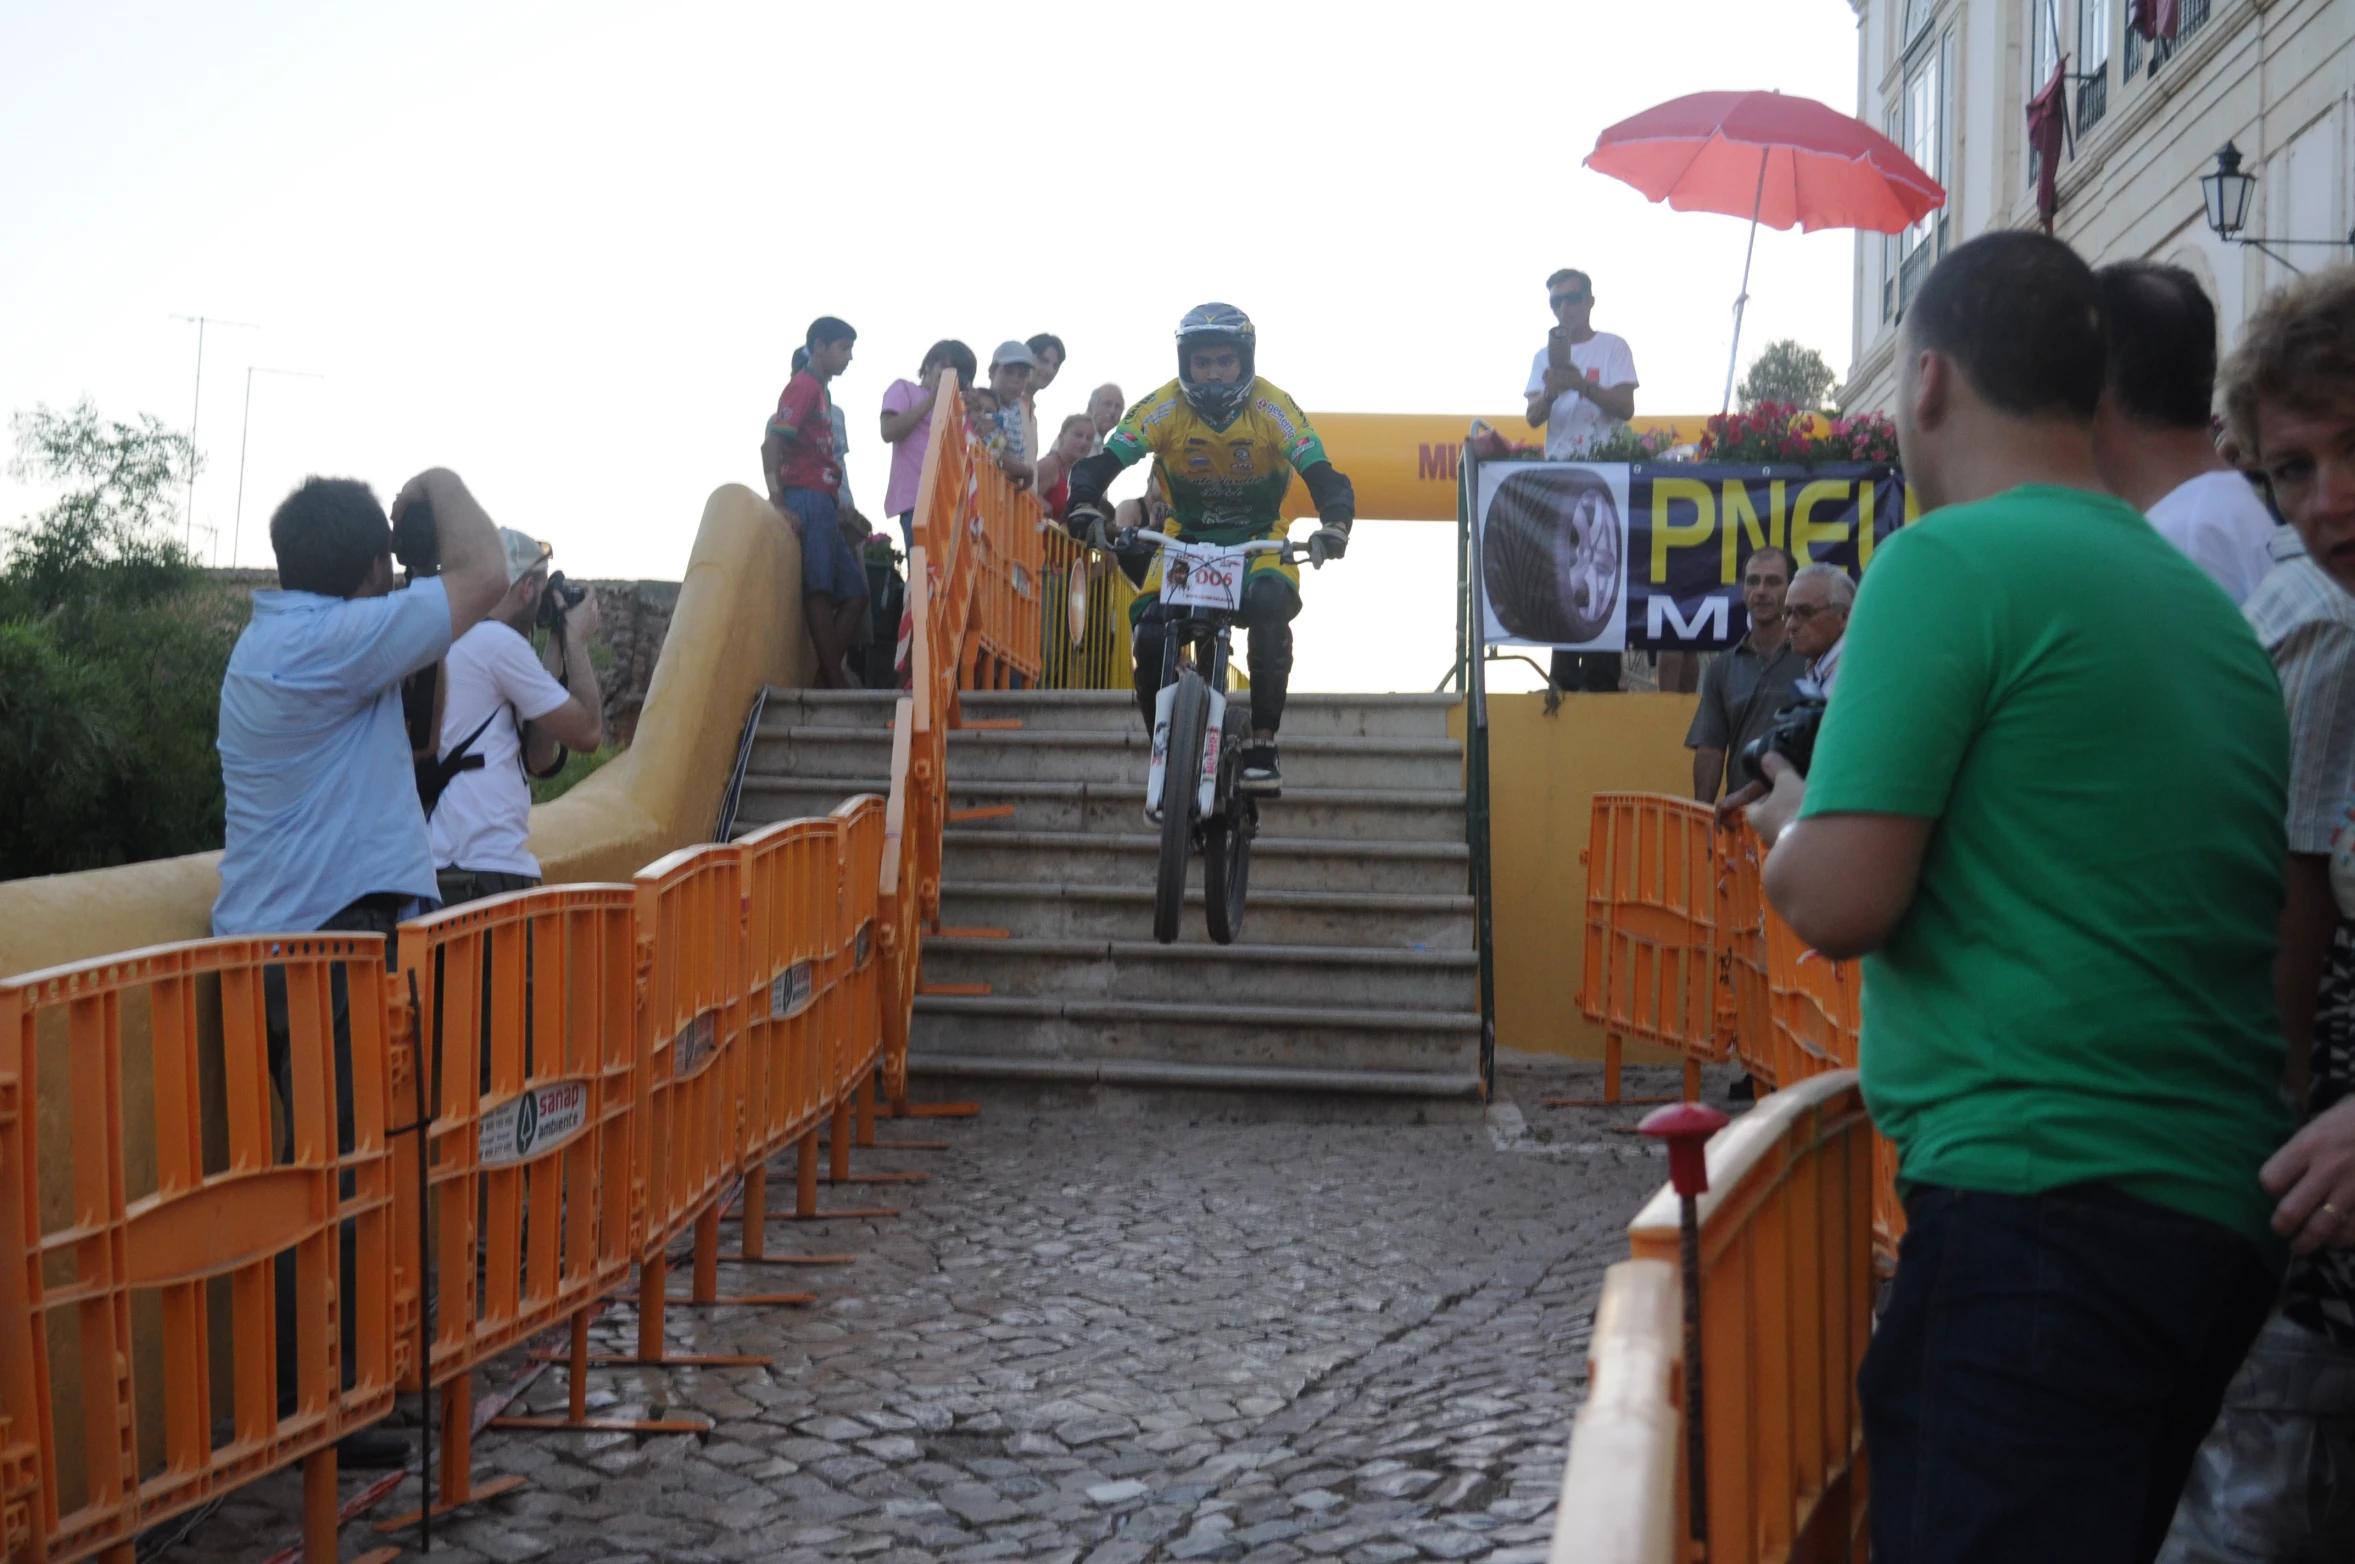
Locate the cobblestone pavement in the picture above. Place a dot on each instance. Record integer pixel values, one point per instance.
(1112, 1337)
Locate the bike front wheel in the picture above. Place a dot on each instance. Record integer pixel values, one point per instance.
(1189, 711)
(1226, 836)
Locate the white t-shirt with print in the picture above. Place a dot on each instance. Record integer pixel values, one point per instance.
(484, 816)
(1574, 422)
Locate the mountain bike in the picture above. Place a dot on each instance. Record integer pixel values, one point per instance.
(1198, 734)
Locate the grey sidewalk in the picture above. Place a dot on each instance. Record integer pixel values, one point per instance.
(1112, 1337)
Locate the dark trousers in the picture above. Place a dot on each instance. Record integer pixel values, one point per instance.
(369, 915)
(2044, 1372)
(1596, 673)
(1269, 606)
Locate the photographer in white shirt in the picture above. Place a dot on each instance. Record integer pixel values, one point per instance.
(509, 713)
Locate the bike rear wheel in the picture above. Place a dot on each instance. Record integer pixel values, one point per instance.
(1181, 776)
(1226, 837)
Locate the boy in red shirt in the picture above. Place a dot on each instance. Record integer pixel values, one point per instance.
(805, 482)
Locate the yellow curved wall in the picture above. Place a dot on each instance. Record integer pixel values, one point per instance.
(737, 626)
(1403, 465)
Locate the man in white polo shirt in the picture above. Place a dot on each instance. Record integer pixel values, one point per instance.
(507, 714)
(2151, 434)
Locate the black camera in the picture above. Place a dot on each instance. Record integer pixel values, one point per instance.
(415, 542)
(561, 598)
(1792, 737)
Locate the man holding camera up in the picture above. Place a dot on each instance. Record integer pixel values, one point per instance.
(324, 831)
(509, 713)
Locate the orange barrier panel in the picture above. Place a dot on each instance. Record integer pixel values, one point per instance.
(860, 1023)
(1817, 1025)
(690, 926)
(191, 1219)
(526, 1024)
(1786, 1313)
(1651, 920)
(1813, 1005)
(793, 1031)
(1745, 1016)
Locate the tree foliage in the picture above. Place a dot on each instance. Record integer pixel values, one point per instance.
(112, 647)
(1789, 372)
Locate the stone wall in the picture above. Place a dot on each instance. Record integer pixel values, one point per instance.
(634, 617)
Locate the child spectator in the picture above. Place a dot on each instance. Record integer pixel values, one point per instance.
(907, 426)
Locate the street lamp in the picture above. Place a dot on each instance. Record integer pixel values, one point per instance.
(2227, 192)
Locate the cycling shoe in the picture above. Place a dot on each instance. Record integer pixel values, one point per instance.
(1260, 775)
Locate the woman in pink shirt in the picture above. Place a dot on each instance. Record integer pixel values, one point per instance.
(907, 426)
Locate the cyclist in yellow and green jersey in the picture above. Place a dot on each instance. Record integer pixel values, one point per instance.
(1225, 444)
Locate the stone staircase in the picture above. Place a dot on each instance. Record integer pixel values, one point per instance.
(1356, 982)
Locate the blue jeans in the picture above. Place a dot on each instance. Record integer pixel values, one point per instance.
(827, 563)
(2044, 1371)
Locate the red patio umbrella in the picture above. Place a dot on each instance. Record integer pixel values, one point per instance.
(1788, 162)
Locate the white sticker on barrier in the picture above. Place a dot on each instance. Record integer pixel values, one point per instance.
(693, 1048)
(538, 1120)
(789, 992)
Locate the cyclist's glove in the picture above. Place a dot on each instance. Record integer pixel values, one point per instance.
(1327, 543)
(1086, 523)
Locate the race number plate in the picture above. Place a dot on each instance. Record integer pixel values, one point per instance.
(1203, 575)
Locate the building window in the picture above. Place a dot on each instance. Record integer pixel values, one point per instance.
(1921, 123)
(2190, 17)
(1916, 17)
(2093, 63)
(2044, 42)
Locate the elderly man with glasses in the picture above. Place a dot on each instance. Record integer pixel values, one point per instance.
(1581, 388)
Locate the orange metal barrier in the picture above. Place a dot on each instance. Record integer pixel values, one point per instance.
(526, 1026)
(1651, 930)
(793, 1032)
(1786, 1313)
(1813, 1008)
(200, 1211)
(1744, 1009)
(690, 922)
(1097, 658)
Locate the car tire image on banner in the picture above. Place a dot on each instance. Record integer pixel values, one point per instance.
(1554, 556)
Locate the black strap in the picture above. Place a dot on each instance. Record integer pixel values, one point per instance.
(435, 776)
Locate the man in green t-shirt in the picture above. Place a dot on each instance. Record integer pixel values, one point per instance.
(2046, 808)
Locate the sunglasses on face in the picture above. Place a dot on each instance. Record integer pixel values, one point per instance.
(1557, 300)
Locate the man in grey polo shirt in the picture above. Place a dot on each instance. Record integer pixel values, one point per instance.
(1745, 687)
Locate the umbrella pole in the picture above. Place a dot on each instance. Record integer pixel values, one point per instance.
(1741, 300)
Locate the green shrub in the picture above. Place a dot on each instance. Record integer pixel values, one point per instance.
(112, 647)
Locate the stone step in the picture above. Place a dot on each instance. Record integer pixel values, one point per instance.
(1323, 1037)
(1305, 715)
(1031, 909)
(1277, 862)
(1239, 974)
(1288, 1093)
(785, 748)
(1123, 756)
(1336, 814)
(829, 708)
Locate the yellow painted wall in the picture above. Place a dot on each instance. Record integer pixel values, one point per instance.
(1543, 775)
(1403, 465)
(737, 626)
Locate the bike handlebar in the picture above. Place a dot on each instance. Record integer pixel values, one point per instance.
(1130, 536)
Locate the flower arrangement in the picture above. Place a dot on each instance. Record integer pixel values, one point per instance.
(1782, 432)
(1625, 444)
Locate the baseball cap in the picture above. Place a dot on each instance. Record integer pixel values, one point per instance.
(524, 555)
(1012, 353)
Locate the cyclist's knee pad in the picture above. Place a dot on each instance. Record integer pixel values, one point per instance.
(1270, 602)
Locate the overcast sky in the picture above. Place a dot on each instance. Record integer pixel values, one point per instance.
(568, 249)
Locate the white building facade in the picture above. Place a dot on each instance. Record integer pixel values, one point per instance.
(1949, 81)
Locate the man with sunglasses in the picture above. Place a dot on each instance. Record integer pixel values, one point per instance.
(1582, 382)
